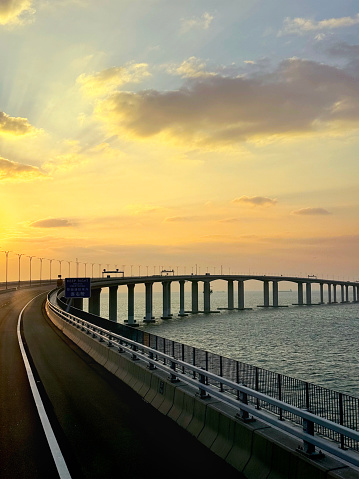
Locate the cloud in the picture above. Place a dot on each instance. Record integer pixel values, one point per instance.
(304, 25)
(311, 212)
(173, 219)
(105, 81)
(191, 68)
(255, 200)
(52, 223)
(203, 22)
(13, 126)
(299, 97)
(12, 171)
(13, 11)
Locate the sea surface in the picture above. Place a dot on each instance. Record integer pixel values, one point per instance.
(318, 343)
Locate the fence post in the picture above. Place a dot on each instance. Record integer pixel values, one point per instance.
(341, 421)
(280, 396)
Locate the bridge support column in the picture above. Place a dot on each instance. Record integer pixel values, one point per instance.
(330, 293)
(230, 294)
(266, 293)
(78, 303)
(112, 303)
(165, 300)
(300, 294)
(275, 294)
(321, 286)
(354, 295)
(194, 296)
(94, 301)
(342, 293)
(207, 296)
(308, 296)
(131, 305)
(149, 304)
(347, 293)
(169, 299)
(181, 311)
(334, 293)
(240, 294)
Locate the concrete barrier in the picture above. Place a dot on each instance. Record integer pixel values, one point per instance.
(254, 448)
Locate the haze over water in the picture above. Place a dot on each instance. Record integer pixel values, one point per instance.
(319, 344)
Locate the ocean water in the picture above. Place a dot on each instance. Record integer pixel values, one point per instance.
(318, 343)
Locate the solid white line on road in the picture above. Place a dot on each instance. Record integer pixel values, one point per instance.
(50, 436)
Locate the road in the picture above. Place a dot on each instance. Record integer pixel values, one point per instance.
(104, 429)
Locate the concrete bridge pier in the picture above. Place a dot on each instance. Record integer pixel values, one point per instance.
(275, 294)
(131, 305)
(95, 301)
(321, 287)
(342, 293)
(330, 293)
(300, 294)
(207, 296)
(355, 299)
(334, 293)
(241, 295)
(265, 294)
(308, 296)
(182, 311)
(347, 293)
(230, 294)
(166, 299)
(112, 303)
(149, 303)
(194, 297)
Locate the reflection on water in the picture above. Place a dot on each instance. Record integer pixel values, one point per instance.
(319, 344)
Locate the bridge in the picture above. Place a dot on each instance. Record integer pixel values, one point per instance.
(349, 292)
(84, 398)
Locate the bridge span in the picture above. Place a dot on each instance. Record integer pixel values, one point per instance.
(336, 292)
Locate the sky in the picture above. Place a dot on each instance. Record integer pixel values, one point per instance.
(150, 134)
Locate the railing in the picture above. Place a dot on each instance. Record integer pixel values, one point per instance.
(196, 367)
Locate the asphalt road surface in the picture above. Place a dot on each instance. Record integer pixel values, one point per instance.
(104, 429)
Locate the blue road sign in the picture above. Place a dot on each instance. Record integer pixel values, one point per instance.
(77, 287)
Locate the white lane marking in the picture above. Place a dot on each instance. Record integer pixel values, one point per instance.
(50, 436)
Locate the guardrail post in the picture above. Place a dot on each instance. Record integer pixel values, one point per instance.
(173, 377)
(202, 392)
(244, 415)
(308, 448)
(134, 357)
(151, 366)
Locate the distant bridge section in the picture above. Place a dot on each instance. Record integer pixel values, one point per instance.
(337, 291)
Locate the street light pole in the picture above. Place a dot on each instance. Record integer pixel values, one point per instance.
(51, 260)
(60, 261)
(69, 262)
(6, 266)
(30, 266)
(41, 269)
(19, 255)
(92, 264)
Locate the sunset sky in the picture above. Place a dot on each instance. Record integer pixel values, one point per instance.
(173, 133)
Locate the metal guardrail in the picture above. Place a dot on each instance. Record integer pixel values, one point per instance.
(229, 392)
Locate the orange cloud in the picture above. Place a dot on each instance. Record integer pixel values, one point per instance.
(300, 97)
(13, 171)
(15, 126)
(255, 200)
(11, 11)
(311, 212)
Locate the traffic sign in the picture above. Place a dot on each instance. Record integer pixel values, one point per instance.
(77, 287)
